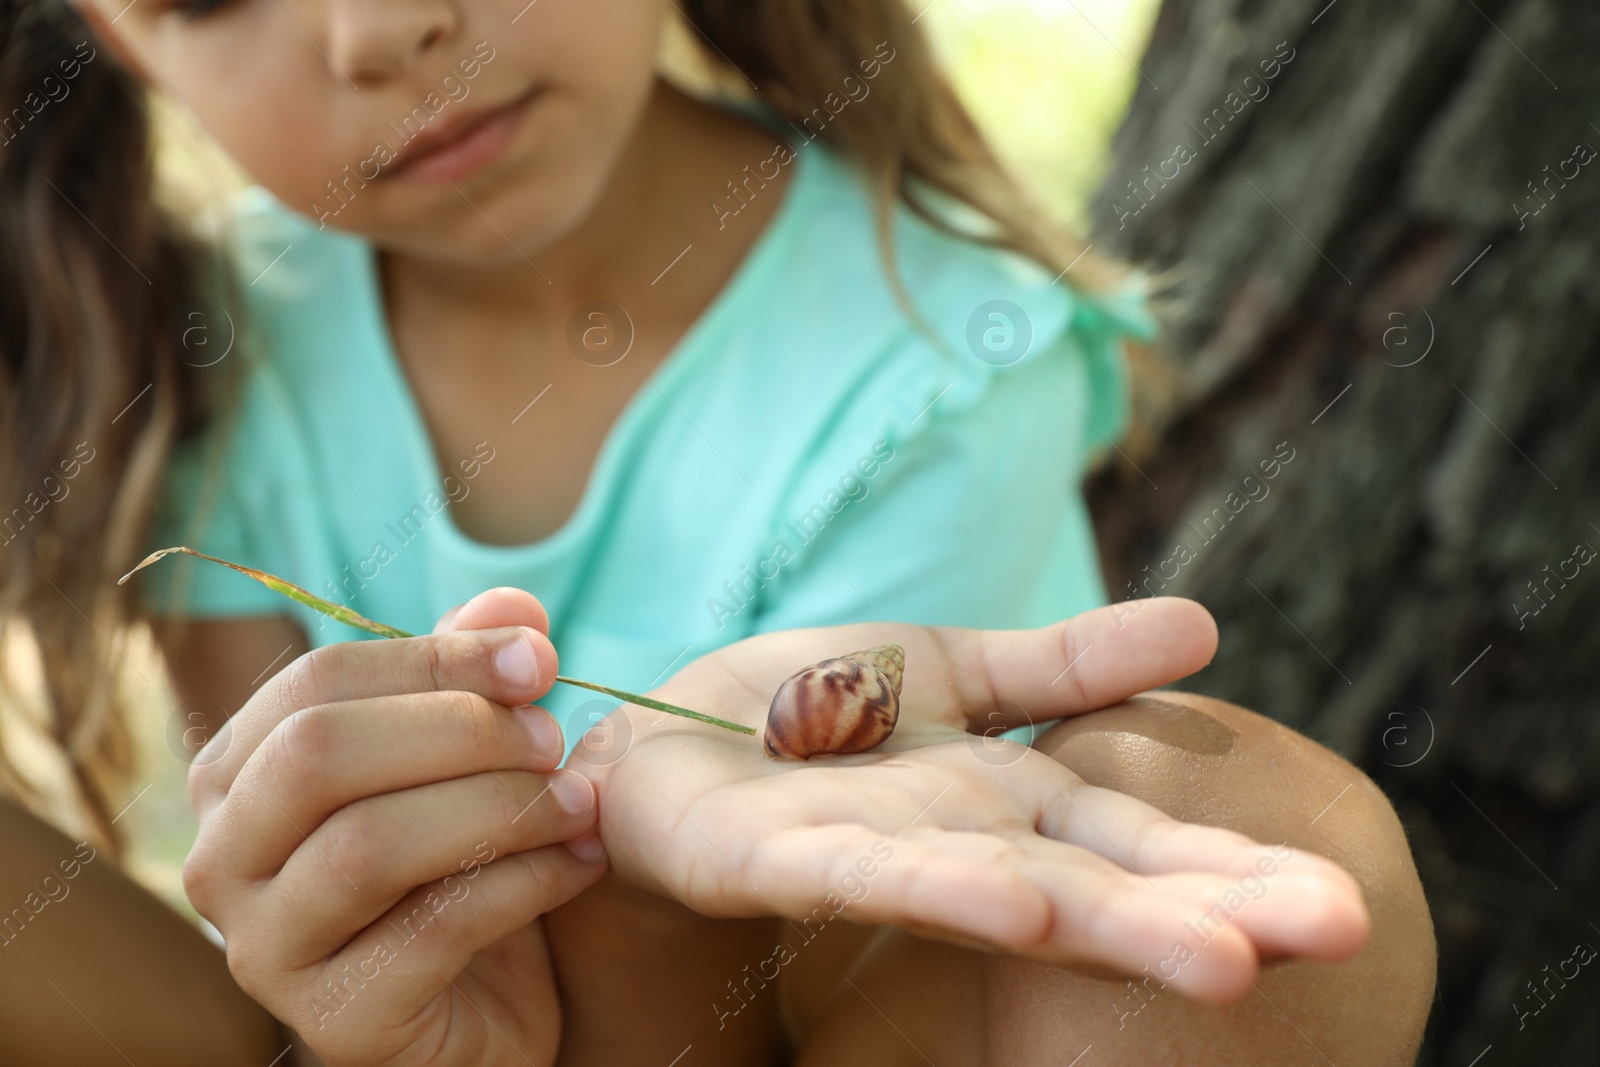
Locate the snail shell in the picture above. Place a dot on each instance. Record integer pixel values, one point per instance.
(838, 706)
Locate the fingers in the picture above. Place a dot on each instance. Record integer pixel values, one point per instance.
(885, 879)
(1039, 898)
(1289, 902)
(367, 856)
(1132, 923)
(508, 665)
(358, 863)
(1315, 907)
(431, 934)
(318, 760)
(1090, 661)
(492, 608)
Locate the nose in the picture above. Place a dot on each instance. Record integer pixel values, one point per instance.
(371, 40)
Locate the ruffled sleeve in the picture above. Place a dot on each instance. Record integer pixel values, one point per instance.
(1102, 324)
(948, 491)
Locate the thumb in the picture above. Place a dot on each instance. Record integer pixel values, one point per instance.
(494, 608)
(1091, 661)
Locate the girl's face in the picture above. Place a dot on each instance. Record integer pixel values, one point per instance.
(448, 128)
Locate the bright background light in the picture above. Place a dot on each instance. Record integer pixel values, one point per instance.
(1048, 81)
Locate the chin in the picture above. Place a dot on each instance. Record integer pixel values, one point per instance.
(487, 231)
(532, 214)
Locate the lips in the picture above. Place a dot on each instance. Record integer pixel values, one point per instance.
(452, 149)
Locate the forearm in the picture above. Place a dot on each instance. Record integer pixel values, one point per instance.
(97, 952)
(678, 978)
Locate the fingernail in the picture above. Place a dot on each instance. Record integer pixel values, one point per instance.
(516, 662)
(588, 848)
(573, 792)
(541, 726)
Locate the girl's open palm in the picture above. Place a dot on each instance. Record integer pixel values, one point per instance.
(952, 833)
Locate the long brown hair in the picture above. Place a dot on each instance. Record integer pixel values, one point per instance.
(92, 390)
(102, 283)
(910, 133)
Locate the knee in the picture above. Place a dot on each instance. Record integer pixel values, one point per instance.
(1207, 761)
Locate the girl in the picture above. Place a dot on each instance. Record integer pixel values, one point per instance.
(506, 308)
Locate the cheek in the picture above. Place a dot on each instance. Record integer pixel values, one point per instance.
(596, 62)
(266, 102)
(289, 158)
(606, 48)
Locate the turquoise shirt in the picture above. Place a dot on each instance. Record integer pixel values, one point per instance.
(807, 455)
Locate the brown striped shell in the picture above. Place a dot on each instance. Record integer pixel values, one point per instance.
(842, 705)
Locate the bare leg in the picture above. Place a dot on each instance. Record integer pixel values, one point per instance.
(96, 971)
(914, 1001)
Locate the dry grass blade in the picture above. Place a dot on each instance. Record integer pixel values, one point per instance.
(278, 585)
(343, 614)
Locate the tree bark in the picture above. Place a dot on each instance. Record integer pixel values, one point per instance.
(1381, 261)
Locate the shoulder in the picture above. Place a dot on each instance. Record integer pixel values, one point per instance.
(971, 332)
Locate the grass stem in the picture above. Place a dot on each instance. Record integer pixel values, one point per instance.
(350, 618)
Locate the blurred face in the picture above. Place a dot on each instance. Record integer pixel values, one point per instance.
(411, 122)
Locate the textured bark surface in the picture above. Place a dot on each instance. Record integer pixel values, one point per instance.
(1355, 277)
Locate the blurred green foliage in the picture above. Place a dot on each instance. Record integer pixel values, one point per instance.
(1048, 80)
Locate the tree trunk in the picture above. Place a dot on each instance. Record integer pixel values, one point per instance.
(1381, 249)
